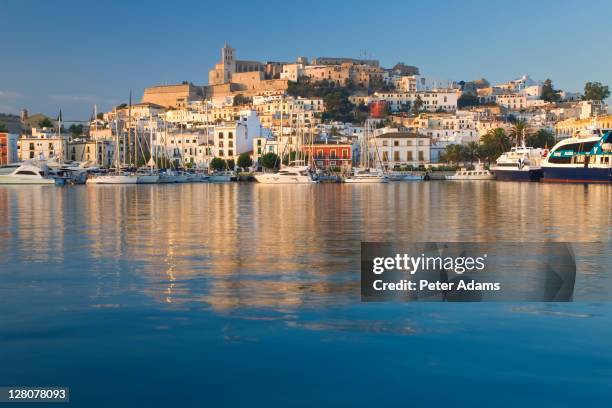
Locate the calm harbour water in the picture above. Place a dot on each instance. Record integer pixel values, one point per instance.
(248, 295)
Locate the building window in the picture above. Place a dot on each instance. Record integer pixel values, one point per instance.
(220, 134)
(230, 144)
(409, 154)
(396, 143)
(230, 152)
(396, 156)
(385, 156)
(220, 152)
(421, 156)
(230, 135)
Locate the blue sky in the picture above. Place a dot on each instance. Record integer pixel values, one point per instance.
(72, 54)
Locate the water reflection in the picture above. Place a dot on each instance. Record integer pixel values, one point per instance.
(235, 246)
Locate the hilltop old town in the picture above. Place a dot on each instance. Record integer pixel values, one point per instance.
(319, 108)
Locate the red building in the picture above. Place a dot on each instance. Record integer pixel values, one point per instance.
(330, 154)
(378, 109)
(8, 148)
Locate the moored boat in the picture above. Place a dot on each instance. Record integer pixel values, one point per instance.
(479, 173)
(113, 178)
(287, 175)
(221, 176)
(519, 164)
(365, 175)
(28, 172)
(580, 159)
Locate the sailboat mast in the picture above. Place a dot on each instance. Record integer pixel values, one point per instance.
(96, 133)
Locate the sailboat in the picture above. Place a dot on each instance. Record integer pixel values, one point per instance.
(148, 175)
(365, 173)
(297, 172)
(118, 176)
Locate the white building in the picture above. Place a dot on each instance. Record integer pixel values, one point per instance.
(234, 138)
(42, 144)
(398, 149)
(292, 72)
(440, 99)
(512, 101)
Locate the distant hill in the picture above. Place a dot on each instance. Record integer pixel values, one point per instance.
(12, 122)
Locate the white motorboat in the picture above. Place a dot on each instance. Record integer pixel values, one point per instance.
(221, 176)
(28, 172)
(113, 178)
(479, 173)
(192, 177)
(147, 178)
(367, 176)
(287, 175)
(404, 176)
(167, 176)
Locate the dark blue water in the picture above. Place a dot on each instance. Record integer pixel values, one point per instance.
(248, 295)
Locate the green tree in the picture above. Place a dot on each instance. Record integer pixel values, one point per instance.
(467, 99)
(471, 152)
(338, 107)
(270, 161)
(230, 164)
(217, 164)
(493, 144)
(549, 94)
(76, 130)
(245, 161)
(541, 138)
(46, 122)
(595, 91)
(453, 153)
(519, 129)
(3, 128)
(417, 105)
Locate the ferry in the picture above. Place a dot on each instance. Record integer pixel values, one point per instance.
(581, 159)
(520, 164)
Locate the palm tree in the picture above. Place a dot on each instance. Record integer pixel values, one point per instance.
(494, 143)
(471, 151)
(520, 129)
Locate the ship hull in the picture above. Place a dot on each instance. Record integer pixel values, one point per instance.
(518, 175)
(578, 174)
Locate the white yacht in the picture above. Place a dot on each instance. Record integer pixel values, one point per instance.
(147, 177)
(404, 176)
(168, 176)
(287, 175)
(479, 173)
(27, 172)
(113, 178)
(519, 164)
(365, 175)
(221, 176)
